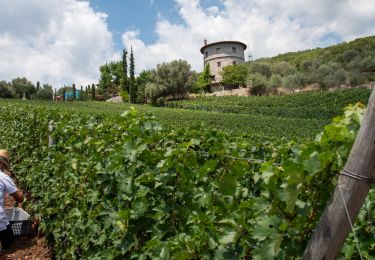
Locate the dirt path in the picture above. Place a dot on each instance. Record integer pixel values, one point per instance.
(26, 247)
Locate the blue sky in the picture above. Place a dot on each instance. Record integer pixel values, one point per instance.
(65, 41)
(124, 15)
(130, 15)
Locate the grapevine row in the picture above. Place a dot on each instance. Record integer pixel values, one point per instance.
(125, 187)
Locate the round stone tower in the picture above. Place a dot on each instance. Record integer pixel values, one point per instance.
(221, 54)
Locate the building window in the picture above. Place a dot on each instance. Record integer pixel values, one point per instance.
(213, 78)
(218, 50)
(234, 50)
(206, 54)
(234, 62)
(219, 64)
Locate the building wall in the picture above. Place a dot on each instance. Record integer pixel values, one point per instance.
(220, 55)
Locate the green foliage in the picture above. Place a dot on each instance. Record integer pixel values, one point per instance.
(283, 68)
(45, 93)
(275, 81)
(235, 75)
(341, 53)
(258, 84)
(123, 187)
(93, 94)
(262, 68)
(356, 78)
(329, 75)
(6, 90)
(343, 64)
(22, 86)
(132, 85)
(112, 78)
(141, 81)
(204, 80)
(124, 95)
(125, 70)
(153, 91)
(307, 105)
(173, 78)
(294, 81)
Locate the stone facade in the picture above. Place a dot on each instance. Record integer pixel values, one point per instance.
(222, 54)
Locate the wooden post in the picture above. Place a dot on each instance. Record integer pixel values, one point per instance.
(334, 226)
(50, 140)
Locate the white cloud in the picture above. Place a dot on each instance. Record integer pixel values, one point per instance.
(268, 27)
(46, 39)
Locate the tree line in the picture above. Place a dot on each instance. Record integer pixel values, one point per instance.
(349, 64)
(170, 79)
(21, 87)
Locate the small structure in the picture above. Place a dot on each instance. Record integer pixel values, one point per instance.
(58, 98)
(221, 54)
(69, 95)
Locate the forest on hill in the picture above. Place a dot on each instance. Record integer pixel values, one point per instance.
(346, 64)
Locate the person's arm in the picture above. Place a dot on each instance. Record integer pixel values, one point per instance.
(12, 190)
(18, 196)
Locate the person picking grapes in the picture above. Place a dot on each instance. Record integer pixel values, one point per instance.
(8, 186)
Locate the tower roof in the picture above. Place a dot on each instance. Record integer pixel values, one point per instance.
(214, 43)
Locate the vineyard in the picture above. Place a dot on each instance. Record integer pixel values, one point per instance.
(321, 106)
(116, 185)
(255, 127)
(271, 118)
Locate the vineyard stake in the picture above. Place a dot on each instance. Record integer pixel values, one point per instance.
(50, 139)
(355, 181)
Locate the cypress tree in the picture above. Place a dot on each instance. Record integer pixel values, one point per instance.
(93, 92)
(125, 70)
(86, 92)
(37, 85)
(63, 94)
(132, 89)
(74, 91)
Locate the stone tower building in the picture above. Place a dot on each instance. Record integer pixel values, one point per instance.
(221, 54)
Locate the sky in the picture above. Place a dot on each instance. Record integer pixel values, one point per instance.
(61, 42)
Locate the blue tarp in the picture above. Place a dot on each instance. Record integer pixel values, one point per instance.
(69, 95)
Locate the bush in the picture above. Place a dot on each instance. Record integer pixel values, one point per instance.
(44, 94)
(356, 78)
(6, 90)
(154, 91)
(258, 84)
(235, 75)
(125, 96)
(294, 81)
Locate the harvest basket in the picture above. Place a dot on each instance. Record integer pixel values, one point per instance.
(19, 221)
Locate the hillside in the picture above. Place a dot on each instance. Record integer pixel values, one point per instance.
(347, 64)
(341, 53)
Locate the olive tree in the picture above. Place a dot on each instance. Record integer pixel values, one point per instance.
(175, 77)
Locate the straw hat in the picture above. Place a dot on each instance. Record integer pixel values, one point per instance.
(4, 158)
